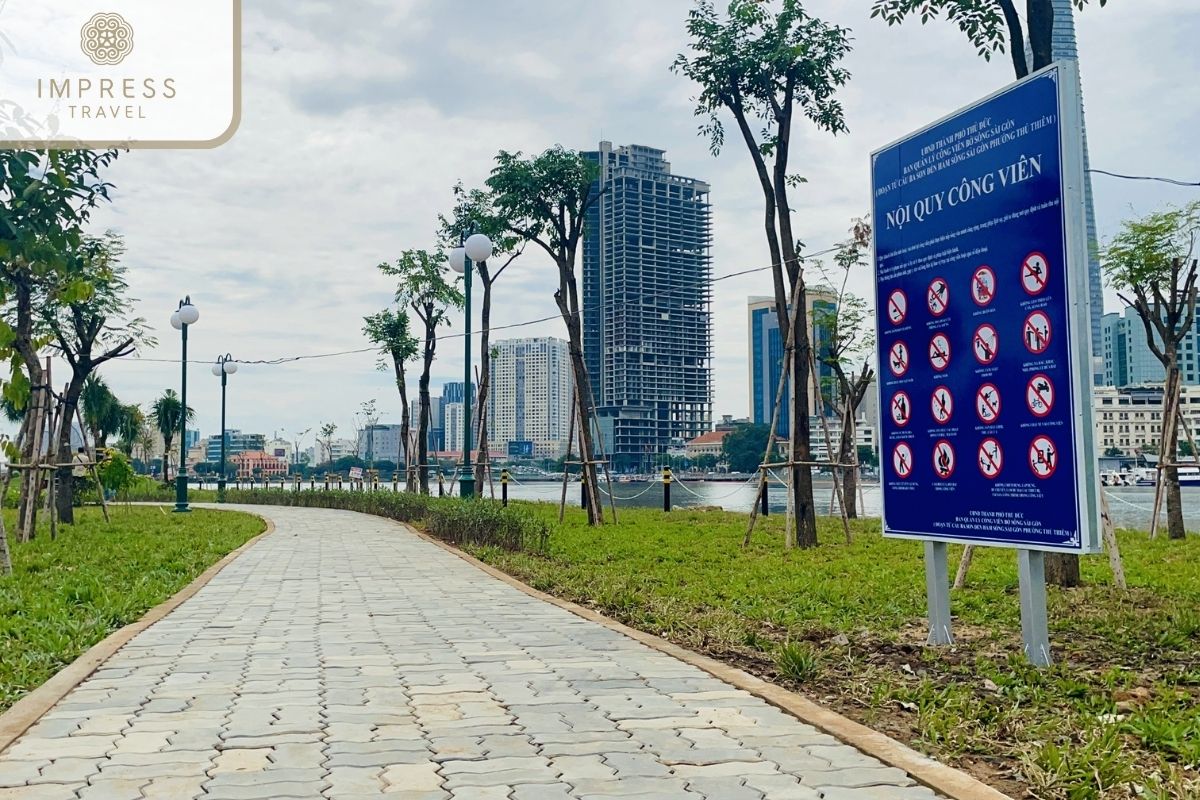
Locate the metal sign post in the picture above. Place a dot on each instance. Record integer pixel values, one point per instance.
(984, 324)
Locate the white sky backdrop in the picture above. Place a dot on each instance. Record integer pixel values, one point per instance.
(359, 117)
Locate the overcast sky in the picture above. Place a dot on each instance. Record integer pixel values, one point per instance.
(359, 116)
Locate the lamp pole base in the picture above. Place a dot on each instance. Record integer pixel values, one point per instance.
(181, 501)
(221, 491)
(466, 486)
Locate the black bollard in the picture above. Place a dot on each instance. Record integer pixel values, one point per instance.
(504, 487)
(765, 501)
(583, 497)
(666, 479)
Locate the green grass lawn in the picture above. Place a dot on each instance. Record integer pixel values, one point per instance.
(844, 624)
(65, 595)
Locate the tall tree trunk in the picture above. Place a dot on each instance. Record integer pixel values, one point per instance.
(568, 306)
(405, 454)
(35, 412)
(485, 364)
(423, 410)
(1040, 15)
(1169, 448)
(66, 475)
(849, 474)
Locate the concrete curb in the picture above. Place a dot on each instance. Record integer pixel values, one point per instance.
(21, 716)
(951, 782)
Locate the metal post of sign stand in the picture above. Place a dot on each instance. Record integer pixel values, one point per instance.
(1031, 569)
(937, 590)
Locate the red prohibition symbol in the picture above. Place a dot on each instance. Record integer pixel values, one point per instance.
(902, 460)
(942, 405)
(939, 352)
(991, 458)
(983, 286)
(943, 459)
(898, 359)
(1043, 457)
(901, 409)
(938, 296)
(1035, 273)
(1039, 395)
(897, 307)
(1036, 332)
(987, 403)
(986, 344)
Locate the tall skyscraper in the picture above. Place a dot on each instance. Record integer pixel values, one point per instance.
(766, 357)
(647, 295)
(1128, 360)
(529, 399)
(1065, 48)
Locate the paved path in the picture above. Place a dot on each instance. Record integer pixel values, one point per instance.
(341, 657)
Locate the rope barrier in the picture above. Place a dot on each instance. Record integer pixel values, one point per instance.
(632, 497)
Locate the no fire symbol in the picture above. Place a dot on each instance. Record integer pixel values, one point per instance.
(983, 286)
(986, 344)
(1039, 395)
(902, 460)
(939, 352)
(942, 405)
(987, 403)
(1035, 273)
(991, 458)
(1043, 457)
(938, 296)
(898, 359)
(897, 308)
(901, 409)
(1036, 333)
(943, 459)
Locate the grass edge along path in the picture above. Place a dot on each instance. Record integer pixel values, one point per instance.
(66, 595)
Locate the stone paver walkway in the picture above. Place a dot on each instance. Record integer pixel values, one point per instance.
(341, 657)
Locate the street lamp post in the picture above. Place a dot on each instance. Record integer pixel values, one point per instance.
(184, 317)
(224, 367)
(476, 249)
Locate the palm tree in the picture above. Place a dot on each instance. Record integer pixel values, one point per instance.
(166, 412)
(130, 428)
(102, 411)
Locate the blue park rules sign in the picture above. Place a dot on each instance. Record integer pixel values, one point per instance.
(983, 318)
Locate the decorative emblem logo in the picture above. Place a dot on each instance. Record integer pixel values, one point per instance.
(106, 39)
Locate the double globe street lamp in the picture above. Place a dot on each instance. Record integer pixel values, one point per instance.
(475, 250)
(224, 367)
(183, 317)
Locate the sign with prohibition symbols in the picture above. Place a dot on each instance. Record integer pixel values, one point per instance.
(942, 405)
(991, 458)
(901, 409)
(943, 459)
(898, 359)
(1043, 457)
(1039, 395)
(1035, 273)
(902, 460)
(897, 309)
(983, 286)
(939, 352)
(986, 344)
(987, 403)
(1036, 332)
(938, 296)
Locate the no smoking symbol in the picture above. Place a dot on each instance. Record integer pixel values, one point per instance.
(1043, 457)
(987, 403)
(943, 459)
(898, 359)
(942, 405)
(1035, 273)
(939, 352)
(986, 344)
(1039, 395)
(991, 458)
(897, 308)
(902, 460)
(901, 409)
(938, 297)
(983, 286)
(1036, 333)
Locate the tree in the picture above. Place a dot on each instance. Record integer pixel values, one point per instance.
(1113, 452)
(166, 412)
(365, 434)
(849, 340)
(1150, 263)
(474, 212)
(421, 285)
(545, 200)
(762, 66)
(1186, 450)
(745, 447)
(102, 411)
(390, 330)
(88, 332)
(131, 428)
(993, 26)
(867, 456)
(325, 436)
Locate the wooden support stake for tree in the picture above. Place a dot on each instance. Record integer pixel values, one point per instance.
(96, 460)
(1170, 416)
(837, 486)
(964, 564)
(1110, 542)
(562, 504)
(612, 500)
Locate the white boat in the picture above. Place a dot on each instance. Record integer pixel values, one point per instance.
(1189, 476)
